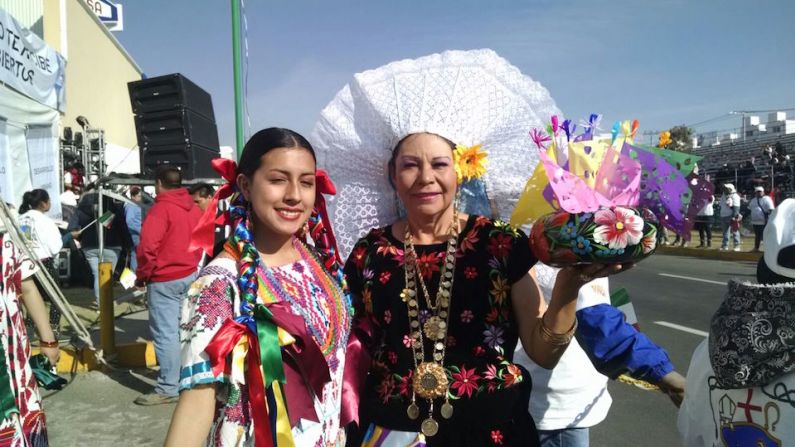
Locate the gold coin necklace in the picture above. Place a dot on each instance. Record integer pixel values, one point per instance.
(430, 378)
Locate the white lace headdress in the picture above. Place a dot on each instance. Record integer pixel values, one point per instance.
(469, 97)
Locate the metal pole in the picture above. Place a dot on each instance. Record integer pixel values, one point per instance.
(106, 320)
(238, 75)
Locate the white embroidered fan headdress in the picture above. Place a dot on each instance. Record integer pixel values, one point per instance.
(469, 97)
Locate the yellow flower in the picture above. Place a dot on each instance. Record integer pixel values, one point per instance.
(469, 162)
(500, 288)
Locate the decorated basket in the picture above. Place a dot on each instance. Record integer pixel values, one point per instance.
(608, 235)
(602, 199)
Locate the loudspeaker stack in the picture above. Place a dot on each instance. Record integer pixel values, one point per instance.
(175, 125)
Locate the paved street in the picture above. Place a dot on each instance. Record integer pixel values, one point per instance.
(96, 409)
(688, 299)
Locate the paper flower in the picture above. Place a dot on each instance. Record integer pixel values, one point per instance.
(665, 139)
(618, 227)
(470, 162)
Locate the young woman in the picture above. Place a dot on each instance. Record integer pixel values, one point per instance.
(266, 302)
(45, 238)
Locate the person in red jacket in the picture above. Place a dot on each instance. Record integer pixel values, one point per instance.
(167, 268)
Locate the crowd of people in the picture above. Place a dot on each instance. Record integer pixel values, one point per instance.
(440, 328)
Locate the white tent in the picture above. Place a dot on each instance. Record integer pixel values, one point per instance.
(31, 96)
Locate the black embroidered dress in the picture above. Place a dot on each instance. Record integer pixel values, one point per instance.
(489, 393)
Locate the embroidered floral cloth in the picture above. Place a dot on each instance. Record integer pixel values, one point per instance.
(488, 391)
(23, 422)
(210, 301)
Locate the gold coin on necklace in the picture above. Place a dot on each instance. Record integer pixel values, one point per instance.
(447, 410)
(429, 427)
(432, 327)
(413, 411)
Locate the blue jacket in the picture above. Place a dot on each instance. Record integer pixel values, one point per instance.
(615, 347)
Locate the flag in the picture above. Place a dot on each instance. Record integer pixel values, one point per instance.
(620, 299)
(106, 219)
(127, 278)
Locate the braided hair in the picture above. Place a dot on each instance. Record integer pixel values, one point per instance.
(240, 211)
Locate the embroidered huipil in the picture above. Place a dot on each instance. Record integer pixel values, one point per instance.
(214, 298)
(488, 391)
(22, 416)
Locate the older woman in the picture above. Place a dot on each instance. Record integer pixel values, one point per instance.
(447, 293)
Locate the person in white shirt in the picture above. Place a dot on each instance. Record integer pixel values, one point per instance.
(569, 399)
(761, 206)
(730, 217)
(703, 223)
(740, 381)
(43, 236)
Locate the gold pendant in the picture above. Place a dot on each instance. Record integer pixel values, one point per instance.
(430, 380)
(432, 327)
(413, 411)
(429, 427)
(447, 410)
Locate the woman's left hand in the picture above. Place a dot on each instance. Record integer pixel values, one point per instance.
(53, 354)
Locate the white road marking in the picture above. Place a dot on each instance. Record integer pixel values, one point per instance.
(678, 327)
(708, 281)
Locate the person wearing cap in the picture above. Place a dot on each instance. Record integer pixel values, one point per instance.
(730, 214)
(740, 381)
(761, 206)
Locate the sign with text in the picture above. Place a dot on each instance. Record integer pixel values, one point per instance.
(43, 160)
(108, 13)
(29, 66)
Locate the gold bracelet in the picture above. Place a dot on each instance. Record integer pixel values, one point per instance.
(48, 344)
(556, 339)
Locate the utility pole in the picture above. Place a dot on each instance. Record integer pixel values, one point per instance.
(238, 76)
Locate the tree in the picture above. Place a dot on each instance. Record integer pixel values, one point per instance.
(681, 139)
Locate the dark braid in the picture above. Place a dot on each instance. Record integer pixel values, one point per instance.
(242, 240)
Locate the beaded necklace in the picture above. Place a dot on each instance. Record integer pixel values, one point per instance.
(272, 290)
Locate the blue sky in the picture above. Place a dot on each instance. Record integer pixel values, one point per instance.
(664, 62)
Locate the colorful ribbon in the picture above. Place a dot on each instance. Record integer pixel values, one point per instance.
(203, 235)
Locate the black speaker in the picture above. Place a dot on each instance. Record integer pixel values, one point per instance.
(168, 92)
(192, 159)
(179, 126)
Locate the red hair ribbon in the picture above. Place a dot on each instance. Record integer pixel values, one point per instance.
(324, 185)
(203, 235)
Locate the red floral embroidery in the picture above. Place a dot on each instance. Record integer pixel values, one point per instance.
(513, 375)
(468, 242)
(478, 351)
(496, 437)
(404, 386)
(467, 316)
(492, 316)
(359, 255)
(465, 382)
(385, 388)
(385, 248)
(384, 277)
(500, 245)
(470, 273)
(429, 263)
(387, 316)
